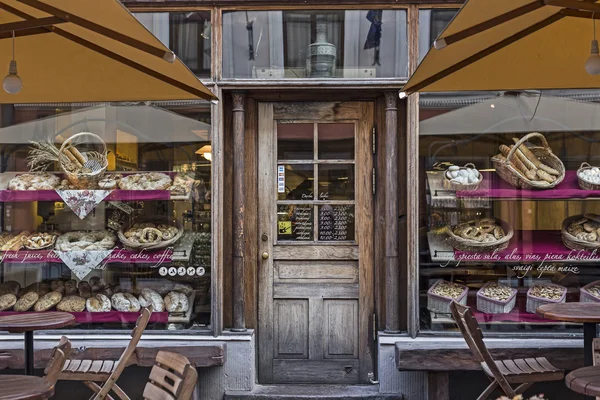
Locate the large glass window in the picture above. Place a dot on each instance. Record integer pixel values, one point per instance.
(106, 209)
(354, 44)
(510, 206)
(188, 34)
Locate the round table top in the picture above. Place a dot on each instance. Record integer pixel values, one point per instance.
(570, 312)
(24, 387)
(584, 380)
(33, 321)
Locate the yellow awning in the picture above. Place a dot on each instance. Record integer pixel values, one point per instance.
(512, 45)
(88, 50)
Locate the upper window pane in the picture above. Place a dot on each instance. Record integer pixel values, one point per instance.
(431, 24)
(352, 44)
(187, 34)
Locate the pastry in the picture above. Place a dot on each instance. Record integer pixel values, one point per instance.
(151, 297)
(518, 164)
(81, 240)
(98, 303)
(55, 284)
(183, 288)
(16, 243)
(10, 287)
(176, 302)
(484, 230)
(40, 240)
(449, 290)
(540, 165)
(125, 302)
(95, 281)
(26, 301)
(47, 301)
(148, 232)
(146, 181)
(71, 304)
(7, 301)
(34, 181)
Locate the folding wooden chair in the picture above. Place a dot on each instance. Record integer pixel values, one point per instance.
(503, 373)
(58, 360)
(92, 372)
(172, 377)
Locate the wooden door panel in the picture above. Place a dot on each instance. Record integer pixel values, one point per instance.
(330, 290)
(290, 329)
(341, 328)
(322, 252)
(309, 271)
(308, 371)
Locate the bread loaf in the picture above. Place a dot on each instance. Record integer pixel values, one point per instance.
(7, 301)
(10, 287)
(71, 304)
(26, 302)
(98, 303)
(176, 302)
(536, 161)
(149, 297)
(517, 164)
(47, 301)
(125, 302)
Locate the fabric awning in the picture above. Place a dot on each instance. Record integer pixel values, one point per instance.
(511, 45)
(84, 50)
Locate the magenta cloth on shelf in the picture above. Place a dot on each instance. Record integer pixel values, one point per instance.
(156, 257)
(494, 186)
(532, 247)
(104, 317)
(51, 195)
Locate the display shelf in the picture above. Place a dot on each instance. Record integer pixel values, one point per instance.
(86, 317)
(7, 196)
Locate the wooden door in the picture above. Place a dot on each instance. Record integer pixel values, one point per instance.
(315, 242)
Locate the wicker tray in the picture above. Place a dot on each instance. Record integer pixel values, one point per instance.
(514, 177)
(151, 246)
(587, 297)
(533, 302)
(463, 244)
(46, 247)
(448, 184)
(585, 185)
(492, 306)
(440, 304)
(571, 241)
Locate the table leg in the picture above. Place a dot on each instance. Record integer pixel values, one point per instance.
(29, 353)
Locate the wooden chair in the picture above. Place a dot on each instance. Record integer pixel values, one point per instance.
(503, 373)
(173, 377)
(90, 372)
(58, 360)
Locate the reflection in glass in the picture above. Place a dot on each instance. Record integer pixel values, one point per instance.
(277, 44)
(431, 24)
(295, 222)
(295, 141)
(336, 182)
(336, 141)
(336, 222)
(297, 183)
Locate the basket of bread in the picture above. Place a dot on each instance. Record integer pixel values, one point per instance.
(482, 235)
(544, 293)
(442, 293)
(83, 168)
(589, 177)
(534, 167)
(493, 298)
(581, 232)
(465, 178)
(590, 293)
(150, 235)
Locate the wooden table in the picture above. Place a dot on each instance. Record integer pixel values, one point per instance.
(586, 313)
(585, 380)
(23, 387)
(28, 322)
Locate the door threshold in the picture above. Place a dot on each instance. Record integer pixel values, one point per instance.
(311, 392)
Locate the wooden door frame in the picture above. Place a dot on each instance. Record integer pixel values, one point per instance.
(363, 113)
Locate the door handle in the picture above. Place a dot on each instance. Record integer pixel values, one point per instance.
(265, 255)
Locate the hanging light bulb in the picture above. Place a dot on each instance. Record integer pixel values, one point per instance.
(12, 82)
(592, 65)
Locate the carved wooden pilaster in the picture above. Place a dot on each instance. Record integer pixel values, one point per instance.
(392, 268)
(239, 211)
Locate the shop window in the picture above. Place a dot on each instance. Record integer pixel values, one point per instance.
(141, 233)
(352, 44)
(431, 24)
(516, 234)
(188, 34)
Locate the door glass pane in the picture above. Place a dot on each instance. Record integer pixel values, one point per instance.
(295, 182)
(295, 222)
(336, 223)
(295, 141)
(336, 182)
(336, 141)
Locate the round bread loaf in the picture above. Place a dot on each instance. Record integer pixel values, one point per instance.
(71, 304)
(98, 303)
(26, 301)
(55, 284)
(125, 302)
(71, 291)
(7, 301)
(183, 288)
(176, 302)
(149, 297)
(47, 301)
(95, 281)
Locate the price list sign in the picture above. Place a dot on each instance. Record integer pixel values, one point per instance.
(336, 223)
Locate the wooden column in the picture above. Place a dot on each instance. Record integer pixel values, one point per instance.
(392, 320)
(239, 211)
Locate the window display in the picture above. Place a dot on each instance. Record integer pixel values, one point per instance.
(105, 210)
(510, 209)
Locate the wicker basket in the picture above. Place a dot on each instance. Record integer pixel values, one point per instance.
(458, 186)
(587, 297)
(492, 306)
(94, 162)
(514, 177)
(584, 185)
(534, 302)
(571, 241)
(460, 243)
(440, 304)
(151, 246)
